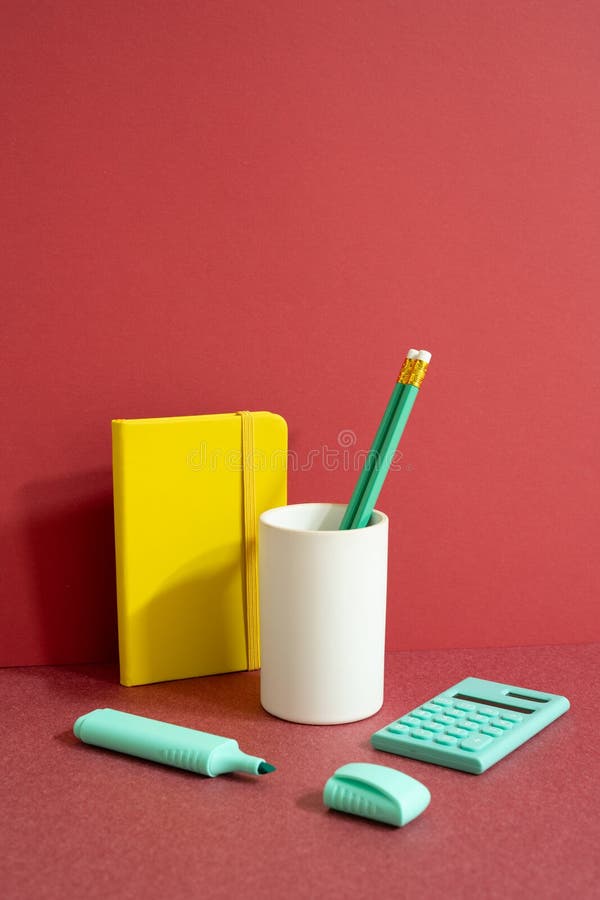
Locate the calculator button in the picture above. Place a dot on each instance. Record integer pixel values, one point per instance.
(443, 701)
(475, 742)
(467, 726)
(477, 718)
(462, 704)
(511, 716)
(487, 711)
(455, 713)
(500, 723)
(446, 739)
(456, 732)
(444, 720)
(421, 735)
(408, 720)
(398, 728)
(419, 714)
(429, 707)
(431, 726)
(493, 732)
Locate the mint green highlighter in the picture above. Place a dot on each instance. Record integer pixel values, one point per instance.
(471, 725)
(161, 742)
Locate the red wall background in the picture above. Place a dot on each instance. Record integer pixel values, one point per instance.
(223, 205)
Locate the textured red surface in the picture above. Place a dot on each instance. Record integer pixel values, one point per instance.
(216, 206)
(79, 821)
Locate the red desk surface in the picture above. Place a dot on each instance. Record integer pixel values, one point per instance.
(88, 823)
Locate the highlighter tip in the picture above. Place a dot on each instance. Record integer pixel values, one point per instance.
(265, 767)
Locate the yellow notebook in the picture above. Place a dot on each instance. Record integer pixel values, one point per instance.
(188, 492)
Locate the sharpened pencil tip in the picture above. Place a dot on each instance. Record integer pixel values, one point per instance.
(265, 767)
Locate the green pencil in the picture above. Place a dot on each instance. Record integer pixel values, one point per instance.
(373, 458)
(377, 473)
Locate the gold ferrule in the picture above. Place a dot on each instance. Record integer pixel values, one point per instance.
(406, 370)
(418, 373)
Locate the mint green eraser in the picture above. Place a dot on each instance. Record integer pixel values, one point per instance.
(376, 792)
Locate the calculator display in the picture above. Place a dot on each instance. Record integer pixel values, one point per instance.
(519, 709)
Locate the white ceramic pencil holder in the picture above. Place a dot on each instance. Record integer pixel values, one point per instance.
(322, 614)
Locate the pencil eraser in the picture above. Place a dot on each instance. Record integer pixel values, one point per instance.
(376, 792)
(425, 355)
(412, 353)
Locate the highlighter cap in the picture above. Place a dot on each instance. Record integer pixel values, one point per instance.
(376, 792)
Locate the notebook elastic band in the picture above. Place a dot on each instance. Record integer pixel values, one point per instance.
(250, 542)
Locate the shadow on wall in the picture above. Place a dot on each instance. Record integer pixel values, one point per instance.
(69, 534)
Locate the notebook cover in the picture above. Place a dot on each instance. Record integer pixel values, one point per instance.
(179, 534)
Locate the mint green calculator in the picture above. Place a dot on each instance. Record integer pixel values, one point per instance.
(471, 725)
